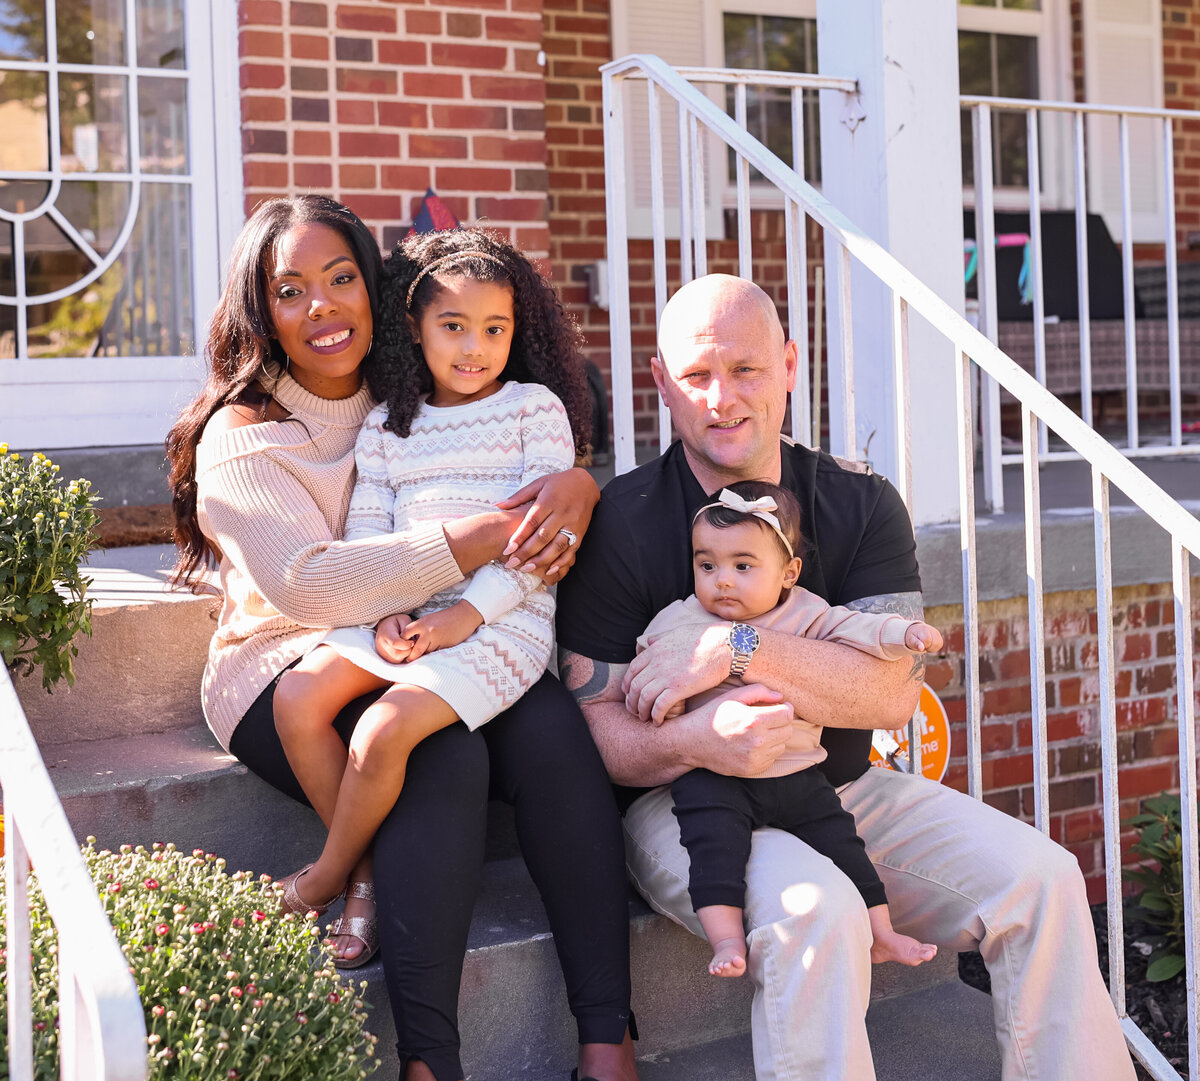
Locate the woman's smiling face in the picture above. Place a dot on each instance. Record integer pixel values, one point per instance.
(319, 308)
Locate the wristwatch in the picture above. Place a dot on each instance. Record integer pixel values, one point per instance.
(743, 641)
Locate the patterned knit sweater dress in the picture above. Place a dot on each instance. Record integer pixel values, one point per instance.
(459, 460)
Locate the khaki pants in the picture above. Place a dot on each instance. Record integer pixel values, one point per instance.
(957, 873)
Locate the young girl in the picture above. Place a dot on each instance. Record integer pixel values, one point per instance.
(744, 552)
(483, 391)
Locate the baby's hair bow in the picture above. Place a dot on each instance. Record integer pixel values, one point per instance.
(763, 508)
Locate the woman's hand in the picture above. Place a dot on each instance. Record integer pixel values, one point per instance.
(557, 502)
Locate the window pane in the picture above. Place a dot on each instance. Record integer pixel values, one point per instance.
(23, 196)
(1024, 5)
(24, 127)
(8, 332)
(162, 105)
(160, 37)
(96, 208)
(94, 134)
(1016, 66)
(975, 63)
(979, 3)
(141, 306)
(741, 41)
(91, 31)
(774, 43)
(8, 277)
(22, 32)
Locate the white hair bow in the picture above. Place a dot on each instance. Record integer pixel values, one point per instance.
(763, 508)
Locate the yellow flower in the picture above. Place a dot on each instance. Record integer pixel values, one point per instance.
(63, 514)
(3, 449)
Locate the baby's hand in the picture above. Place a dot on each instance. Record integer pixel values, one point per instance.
(439, 630)
(390, 642)
(674, 711)
(922, 638)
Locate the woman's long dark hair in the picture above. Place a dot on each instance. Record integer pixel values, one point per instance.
(545, 344)
(242, 344)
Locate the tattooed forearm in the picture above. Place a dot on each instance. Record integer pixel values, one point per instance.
(588, 680)
(910, 606)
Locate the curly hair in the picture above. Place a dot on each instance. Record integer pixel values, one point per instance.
(546, 344)
(788, 513)
(242, 347)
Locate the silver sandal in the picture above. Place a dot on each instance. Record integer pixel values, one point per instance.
(364, 928)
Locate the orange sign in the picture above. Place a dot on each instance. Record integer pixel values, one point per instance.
(934, 727)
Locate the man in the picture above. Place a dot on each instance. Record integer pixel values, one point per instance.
(957, 872)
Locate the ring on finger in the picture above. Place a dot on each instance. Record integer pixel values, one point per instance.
(572, 539)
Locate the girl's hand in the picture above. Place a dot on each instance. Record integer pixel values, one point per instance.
(439, 630)
(560, 501)
(390, 642)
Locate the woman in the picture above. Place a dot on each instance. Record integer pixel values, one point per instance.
(261, 471)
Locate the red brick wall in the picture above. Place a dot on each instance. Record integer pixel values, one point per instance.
(375, 101)
(1181, 90)
(1147, 734)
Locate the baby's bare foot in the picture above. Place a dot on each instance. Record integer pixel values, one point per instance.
(729, 958)
(902, 949)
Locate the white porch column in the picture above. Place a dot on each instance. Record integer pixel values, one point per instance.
(898, 176)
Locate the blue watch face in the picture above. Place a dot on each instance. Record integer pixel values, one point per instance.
(743, 638)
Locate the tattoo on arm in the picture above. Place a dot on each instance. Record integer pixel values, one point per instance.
(910, 606)
(588, 680)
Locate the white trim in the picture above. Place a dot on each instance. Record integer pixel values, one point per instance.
(227, 112)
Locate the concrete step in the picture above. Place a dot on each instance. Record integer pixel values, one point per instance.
(688, 1020)
(133, 763)
(140, 669)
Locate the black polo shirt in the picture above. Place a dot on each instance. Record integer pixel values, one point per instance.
(637, 559)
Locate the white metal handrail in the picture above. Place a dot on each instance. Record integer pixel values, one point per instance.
(845, 241)
(985, 232)
(102, 1029)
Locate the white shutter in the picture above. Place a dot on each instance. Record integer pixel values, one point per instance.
(678, 31)
(1123, 65)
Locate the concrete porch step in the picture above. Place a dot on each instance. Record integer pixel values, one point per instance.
(133, 763)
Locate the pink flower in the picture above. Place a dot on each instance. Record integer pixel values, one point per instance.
(162, 929)
(114, 887)
(258, 916)
(199, 928)
(198, 853)
(257, 1003)
(333, 996)
(302, 1019)
(236, 992)
(158, 1011)
(151, 883)
(238, 921)
(251, 989)
(40, 1026)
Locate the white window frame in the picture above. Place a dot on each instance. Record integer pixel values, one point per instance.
(31, 409)
(1052, 28)
(763, 196)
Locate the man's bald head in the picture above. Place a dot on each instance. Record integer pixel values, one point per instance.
(724, 369)
(700, 308)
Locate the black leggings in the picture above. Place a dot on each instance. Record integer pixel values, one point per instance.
(717, 815)
(428, 860)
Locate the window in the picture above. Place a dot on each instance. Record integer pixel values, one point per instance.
(108, 256)
(775, 43)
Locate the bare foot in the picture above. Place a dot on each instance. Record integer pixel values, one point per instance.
(893, 946)
(347, 946)
(729, 958)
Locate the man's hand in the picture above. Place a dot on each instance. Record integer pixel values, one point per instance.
(439, 630)
(676, 665)
(390, 642)
(741, 733)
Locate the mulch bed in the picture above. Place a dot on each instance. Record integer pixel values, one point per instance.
(124, 527)
(1159, 1009)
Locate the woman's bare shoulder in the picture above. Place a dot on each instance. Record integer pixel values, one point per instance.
(243, 414)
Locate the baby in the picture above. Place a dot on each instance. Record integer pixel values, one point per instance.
(744, 552)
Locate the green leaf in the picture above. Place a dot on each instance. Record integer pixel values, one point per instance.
(1164, 968)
